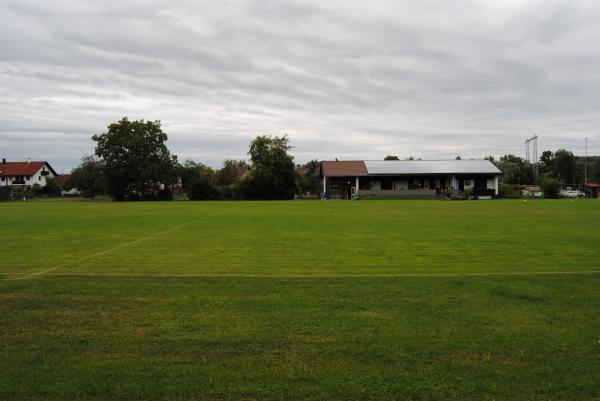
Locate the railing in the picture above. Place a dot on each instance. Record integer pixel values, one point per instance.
(397, 192)
(484, 192)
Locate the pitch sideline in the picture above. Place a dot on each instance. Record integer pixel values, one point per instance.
(233, 275)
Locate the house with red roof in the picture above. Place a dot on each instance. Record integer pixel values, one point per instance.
(25, 173)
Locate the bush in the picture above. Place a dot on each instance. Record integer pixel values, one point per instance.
(230, 191)
(467, 193)
(164, 195)
(550, 187)
(37, 190)
(130, 197)
(51, 188)
(5, 193)
(19, 192)
(202, 188)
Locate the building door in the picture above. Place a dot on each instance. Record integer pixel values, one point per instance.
(461, 185)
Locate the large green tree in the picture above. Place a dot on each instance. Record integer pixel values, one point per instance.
(272, 174)
(515, 170)
(198, 181)
(564, 166)
(308, 180)
(561, 164)
(136, 159)
(88, 177)
(231, 172)
(228, 177)
(594, 169)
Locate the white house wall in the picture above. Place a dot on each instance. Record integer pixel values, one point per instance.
(36, 178)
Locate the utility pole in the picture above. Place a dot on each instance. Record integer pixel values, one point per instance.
(585, 163)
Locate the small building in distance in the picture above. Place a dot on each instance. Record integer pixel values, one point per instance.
(26, 173)
(593, 189)
(410, 178)
(61, 181)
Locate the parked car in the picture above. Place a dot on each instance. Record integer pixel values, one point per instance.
(571, 193)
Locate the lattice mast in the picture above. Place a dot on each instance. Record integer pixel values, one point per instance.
(531, 153)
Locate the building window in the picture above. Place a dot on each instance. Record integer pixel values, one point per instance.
(40, 178)
(467, 182)
(386, 183)
(416, 184)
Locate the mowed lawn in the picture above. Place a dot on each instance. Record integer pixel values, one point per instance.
(413, 300)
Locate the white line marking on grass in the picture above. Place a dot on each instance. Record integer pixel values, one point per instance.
(406, 275)
(51, 269)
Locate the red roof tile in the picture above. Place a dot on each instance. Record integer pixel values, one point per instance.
(303, 170)
(23, 168)
(61, 180)
(344, 168)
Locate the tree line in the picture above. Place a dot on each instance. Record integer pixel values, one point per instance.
(553, 171)
(131, 161)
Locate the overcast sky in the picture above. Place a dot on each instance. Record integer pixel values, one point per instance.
(344, 79)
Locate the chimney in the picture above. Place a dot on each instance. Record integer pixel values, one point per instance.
(3, 161)
(29, 160)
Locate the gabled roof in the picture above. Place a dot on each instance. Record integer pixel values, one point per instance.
(23, 168)
(359, 168)
(304, 170)
(346, 168)
(62, 179)
(401, 167)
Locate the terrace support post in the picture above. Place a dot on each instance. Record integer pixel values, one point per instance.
(496, 185)
(357, 182)
(324, 185)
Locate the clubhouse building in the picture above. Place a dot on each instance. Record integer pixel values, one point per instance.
(412, 178)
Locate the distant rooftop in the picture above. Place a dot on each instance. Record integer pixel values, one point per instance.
(431, 167)
(407, 167)
(8, 169)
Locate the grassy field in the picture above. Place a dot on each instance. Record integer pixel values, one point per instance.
(415, 300)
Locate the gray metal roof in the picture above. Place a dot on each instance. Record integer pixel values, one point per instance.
(400, 167)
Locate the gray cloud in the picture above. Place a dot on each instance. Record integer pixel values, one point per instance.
(344, 79)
